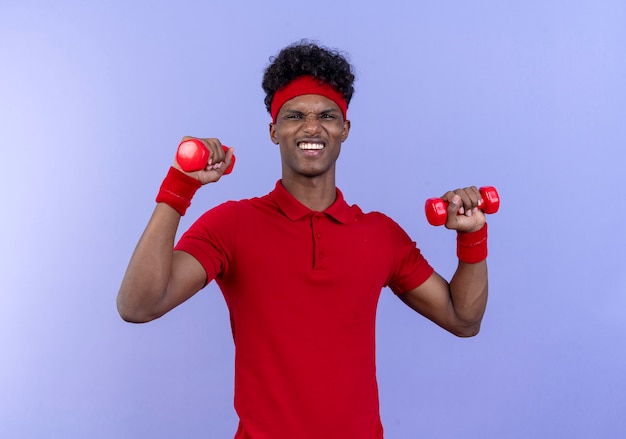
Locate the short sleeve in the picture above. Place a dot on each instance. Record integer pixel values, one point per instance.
(410, 269)
(211, 239)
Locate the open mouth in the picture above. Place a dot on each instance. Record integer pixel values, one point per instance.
(310, 146)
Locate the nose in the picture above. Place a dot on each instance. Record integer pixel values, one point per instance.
(311, 124)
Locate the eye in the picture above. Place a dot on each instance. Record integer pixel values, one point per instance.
(327, 116)
(294, 116)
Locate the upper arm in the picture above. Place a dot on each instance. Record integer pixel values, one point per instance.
(433, 300)
(187, 278)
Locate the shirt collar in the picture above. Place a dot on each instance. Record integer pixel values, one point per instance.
(295, 210)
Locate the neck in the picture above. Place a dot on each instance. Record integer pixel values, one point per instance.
(318, 194)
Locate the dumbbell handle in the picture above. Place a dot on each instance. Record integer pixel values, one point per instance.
(192, 155)
(437, 209)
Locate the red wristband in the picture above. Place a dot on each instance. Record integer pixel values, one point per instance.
(472, 247)
(177, 190)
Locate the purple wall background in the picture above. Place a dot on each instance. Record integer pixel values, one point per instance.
(528, 97)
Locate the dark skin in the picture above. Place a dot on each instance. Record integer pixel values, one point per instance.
(309, 175)
(157, 278)
(457, 306)
(309, 130)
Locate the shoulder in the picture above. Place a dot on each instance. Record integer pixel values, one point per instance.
(384, 225)
(225, 209)
(230, 211)
(373, 217)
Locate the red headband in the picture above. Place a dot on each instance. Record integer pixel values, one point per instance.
(306, 85)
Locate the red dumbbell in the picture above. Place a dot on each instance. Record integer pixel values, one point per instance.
(192, 155)
(436, 208)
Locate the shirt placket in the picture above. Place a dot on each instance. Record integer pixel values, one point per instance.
(320, 256)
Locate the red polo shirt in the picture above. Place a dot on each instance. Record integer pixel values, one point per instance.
(302, 289)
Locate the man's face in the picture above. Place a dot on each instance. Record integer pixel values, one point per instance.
(309, 130)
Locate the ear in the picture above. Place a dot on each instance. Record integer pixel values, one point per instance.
(273, 135)
(346, 130)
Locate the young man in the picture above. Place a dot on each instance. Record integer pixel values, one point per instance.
(300, 269)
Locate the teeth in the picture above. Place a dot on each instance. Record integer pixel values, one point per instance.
(314, 146)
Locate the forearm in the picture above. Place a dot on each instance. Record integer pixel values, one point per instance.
(149, 271)
(468, 291)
